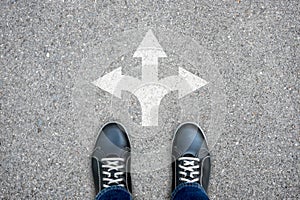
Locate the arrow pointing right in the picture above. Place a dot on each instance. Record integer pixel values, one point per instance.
(149, 91)
(185, 82)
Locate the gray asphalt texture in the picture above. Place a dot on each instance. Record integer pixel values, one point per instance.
(48, 133)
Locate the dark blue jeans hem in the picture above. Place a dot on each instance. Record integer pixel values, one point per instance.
(114, 193)
(184, 191)
(189, 191)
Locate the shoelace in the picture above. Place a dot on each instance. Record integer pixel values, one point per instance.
(189, 169)
(111, 168)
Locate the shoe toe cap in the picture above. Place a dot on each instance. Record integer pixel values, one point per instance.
(113, 140)
(189, 139)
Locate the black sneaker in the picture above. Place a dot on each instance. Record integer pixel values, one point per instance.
(111, 158)
(191, 159)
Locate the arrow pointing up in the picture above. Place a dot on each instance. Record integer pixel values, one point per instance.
(149, 50)
(149, 91)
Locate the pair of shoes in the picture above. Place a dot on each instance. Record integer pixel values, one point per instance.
(111, 157)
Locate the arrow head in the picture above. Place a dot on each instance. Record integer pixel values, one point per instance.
(192, 81)
(110, 82)
(149, 47)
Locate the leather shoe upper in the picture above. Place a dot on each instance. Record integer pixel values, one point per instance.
(191, 158)
(111, 158)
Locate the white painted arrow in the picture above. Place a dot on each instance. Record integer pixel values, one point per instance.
(149, 91)
(114, 82)
(185, 82)
(149, 50)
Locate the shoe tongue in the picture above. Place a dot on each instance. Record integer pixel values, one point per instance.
(188, 155)
(188, 168)
(112, 155)
(114, 171)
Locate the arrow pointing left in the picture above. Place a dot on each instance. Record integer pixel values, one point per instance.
(114, 82)
(150, 91)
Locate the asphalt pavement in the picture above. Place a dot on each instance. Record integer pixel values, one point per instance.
(50, 112)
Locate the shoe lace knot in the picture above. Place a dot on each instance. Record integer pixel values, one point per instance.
(189, 169)
(113, 171)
